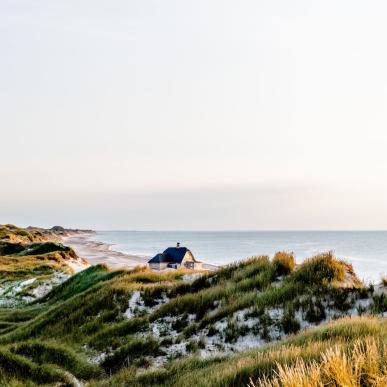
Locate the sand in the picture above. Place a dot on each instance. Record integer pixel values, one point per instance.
(98, 252)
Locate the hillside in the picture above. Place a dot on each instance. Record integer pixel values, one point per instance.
(32, 262)
(225, 328)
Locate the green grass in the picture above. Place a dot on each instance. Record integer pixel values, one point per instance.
(284, 263)
(79, 283)
(57, 354)
(321, 269)
(84, 317)
(237, 370)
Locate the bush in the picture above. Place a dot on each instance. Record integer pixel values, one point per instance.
(284, 263)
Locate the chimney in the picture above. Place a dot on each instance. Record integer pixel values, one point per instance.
(178, 244)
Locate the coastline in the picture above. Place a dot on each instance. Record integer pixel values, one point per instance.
(96, 252)
(99, 252)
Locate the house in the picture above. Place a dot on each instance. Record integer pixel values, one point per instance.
(175, 258)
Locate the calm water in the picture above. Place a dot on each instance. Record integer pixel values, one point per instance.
(367, 251)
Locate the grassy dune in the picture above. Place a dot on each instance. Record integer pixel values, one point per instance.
(262, 364)
(144, 328)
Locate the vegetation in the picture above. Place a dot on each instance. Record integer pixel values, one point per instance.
(144, 328)
(284, 263)
(363, 363)
(261, 365)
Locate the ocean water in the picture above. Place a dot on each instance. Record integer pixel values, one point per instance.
(366, 250)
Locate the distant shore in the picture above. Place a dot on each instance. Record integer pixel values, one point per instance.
(99, 252)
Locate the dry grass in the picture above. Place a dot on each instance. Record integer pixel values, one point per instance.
(364, 364)
(284, 262)
(31, 266)
(323, 268)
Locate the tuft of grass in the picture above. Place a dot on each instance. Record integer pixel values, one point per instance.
(289, 322)
(362, 364)
(284, 263)
(321, 269)
(135, 348)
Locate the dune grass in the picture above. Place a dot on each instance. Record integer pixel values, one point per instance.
(85, 316)
(363, 363)
(260, 364)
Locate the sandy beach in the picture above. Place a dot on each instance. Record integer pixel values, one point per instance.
(99, 252)
(96, 252)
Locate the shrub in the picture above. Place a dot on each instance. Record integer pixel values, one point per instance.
(284, 263)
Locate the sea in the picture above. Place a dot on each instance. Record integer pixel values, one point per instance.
(366, 250)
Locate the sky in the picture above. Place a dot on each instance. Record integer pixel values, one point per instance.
(194, 115)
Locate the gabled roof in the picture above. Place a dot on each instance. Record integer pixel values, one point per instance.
(171, 255)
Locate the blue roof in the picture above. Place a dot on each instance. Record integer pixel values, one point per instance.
(170, 255)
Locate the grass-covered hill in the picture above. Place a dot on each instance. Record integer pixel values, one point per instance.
(17, 235)
(237, 326)
(31, 263)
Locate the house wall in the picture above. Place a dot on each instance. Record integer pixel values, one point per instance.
(190, 263)
(158, 266)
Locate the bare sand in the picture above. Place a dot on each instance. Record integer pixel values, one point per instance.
(98, 252)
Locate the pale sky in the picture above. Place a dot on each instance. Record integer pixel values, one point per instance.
(201, 115)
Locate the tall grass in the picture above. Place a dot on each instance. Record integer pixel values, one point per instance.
(284, 263)
(322, 268)
(258, 364)
(363, 364)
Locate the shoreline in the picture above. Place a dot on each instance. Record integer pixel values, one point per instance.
(96, 252)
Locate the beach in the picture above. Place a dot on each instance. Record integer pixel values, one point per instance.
(96, 252)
